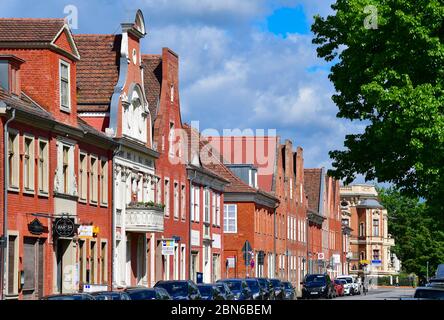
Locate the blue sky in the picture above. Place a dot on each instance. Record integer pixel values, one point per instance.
(243, 64)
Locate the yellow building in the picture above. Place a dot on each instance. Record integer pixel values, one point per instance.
(370, 242)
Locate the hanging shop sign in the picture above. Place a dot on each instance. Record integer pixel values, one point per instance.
(64, 227)
(36, 227)
(85, 231)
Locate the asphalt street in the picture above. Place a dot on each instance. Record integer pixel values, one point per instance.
(382, 294)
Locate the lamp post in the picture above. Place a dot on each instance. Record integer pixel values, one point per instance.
(427, 271)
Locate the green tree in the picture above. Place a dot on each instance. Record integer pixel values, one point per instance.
(418, 238)
(392, 78)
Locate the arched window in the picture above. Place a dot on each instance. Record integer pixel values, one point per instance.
(136, 114)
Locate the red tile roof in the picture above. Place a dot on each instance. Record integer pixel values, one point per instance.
(152, 80)
(97, 70)
(29, 30)
(312, 185)
(213, 161)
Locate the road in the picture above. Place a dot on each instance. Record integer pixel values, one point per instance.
(382, 294)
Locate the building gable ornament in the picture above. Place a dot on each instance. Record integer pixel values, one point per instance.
(56, 181)
(74, 186)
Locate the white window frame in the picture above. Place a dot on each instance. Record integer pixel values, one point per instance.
(83, 177)
(176, 200)
(218, 207)
(62, 107)
(43, 190)
(166, 195)
(213, 209)
(104, 181)
(14, 170)
(227, 219)
(93, 179)
(31, 188)
(183, 201)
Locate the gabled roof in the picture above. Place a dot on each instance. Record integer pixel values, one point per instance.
(97, 71)
(152, 80)
(213, 161)
(312, 186)
(26, 105)
(36, 33)
(29, 30)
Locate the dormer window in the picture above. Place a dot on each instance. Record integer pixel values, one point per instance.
(10, 73)
(65, 94)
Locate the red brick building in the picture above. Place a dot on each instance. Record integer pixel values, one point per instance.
(161, 77)
(206, 208)
(45, 143)
(325, 252)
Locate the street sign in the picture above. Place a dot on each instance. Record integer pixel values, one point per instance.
(231, 262)
(376, 262)
(168, 247)
(321, 256)
(252, 263)
(246, 249)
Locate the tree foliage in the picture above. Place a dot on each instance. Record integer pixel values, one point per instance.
(392, 78)
(418, 238)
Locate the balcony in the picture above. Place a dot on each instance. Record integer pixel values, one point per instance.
(144, 217)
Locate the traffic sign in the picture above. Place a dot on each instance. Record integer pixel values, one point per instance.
(246, 249)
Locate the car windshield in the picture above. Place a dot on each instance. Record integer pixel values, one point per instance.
(142, 294)
(205, 290)
(262, 283)
(234, 285)
(253, 284)
(175, 289)
(429, 294)
(275, 282)
(287, 285)
(347, 280)
(221, 287)
(315, 278)
(337, 281)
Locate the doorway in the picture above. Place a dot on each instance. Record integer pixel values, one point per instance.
(63, 262)
(33, 267)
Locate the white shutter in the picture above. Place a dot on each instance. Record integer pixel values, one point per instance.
(58, 183)
(72, 184)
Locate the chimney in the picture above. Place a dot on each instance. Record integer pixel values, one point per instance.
(10, 73)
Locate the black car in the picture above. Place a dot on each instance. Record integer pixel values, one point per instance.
(111, 295)
(73, 296)
(180, 289)
(256, 290)
(429, 293)
(225, 290)
(278, 289)
(142, 293)
(317, 285)
(289, 292)
(267, 288)
(239, 288)
(210, 292)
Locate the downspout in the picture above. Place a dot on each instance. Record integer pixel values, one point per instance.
(5, 203)
(189, 228)
(113, 222)
(274, 243)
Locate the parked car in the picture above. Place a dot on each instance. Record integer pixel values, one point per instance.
(225, 290)
(349, 286)
(180, 289)
(440, 272)
(210, 292)
(317, 285)
(278, 289)
(339, 287)
(111, 295)
(142, 293)
(289, 292)
(267, 287)
(73, 296)
(429, 293)
(239, 288)
(257, 292)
